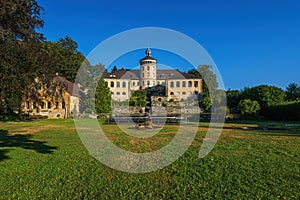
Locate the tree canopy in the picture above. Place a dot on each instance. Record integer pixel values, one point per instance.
(265, 95)
(22, 57)
(66, 57)
(292, 92)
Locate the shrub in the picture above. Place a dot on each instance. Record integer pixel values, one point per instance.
(248, 107)
(284, 111)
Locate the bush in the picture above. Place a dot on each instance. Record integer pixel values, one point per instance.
(248, 107)
(284, 111)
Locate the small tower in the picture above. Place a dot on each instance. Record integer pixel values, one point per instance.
(147, 70)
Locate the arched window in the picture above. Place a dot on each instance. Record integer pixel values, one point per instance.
(171, 93)
(177, 83)
(183, 84)
(112, 84)
(123, 93)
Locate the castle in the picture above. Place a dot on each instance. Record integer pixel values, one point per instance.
(173, 84)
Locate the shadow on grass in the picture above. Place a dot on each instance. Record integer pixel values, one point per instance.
(21, 141)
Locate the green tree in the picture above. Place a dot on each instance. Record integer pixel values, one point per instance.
(248, 107)
(210, 86)
(114, 69)
(66, 56)
(102, 98)
(194, 72)
(209, 77)
(22, 57)
(233, 98)
(265, 95)
(292, 92)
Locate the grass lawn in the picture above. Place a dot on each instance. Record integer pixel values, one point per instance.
(45, 159)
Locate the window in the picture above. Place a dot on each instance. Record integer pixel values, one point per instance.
(56, 104)
(190, 83)
(63, 104)
(148, 83)
(112, 84)
(124, 84)
(118, 84)
(148, 68)
(112, 93)
(183, 93)
(42, 104)
(183, 84)
(171, 93)
(153, 82)
(123, 93)
(158, 82)
(178, 93)
(49, 105)
(148, 74)
(33, 105)
(195, 83)
(142, 68)
(118, 93)
(177, 83)
(172, 84)
(143, 75)
(133, 83)
(138, 83)
(153, 75)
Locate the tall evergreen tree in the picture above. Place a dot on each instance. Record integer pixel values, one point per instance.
(102, 98)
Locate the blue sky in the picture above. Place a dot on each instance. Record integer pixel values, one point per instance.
(252, 42)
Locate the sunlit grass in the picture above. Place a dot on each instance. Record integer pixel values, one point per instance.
(46, 160)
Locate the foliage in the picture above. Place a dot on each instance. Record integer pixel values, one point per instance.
(102, 98)
(114, 69)
(233, 98)
(248, 107)
(194, 72)
(138, 98)
(209, 77)
(284, 111)
(20, 19)
(265, 95)
(292, 92)
(205, 102)
(66, 56)
(22, 57)
(211, 94)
